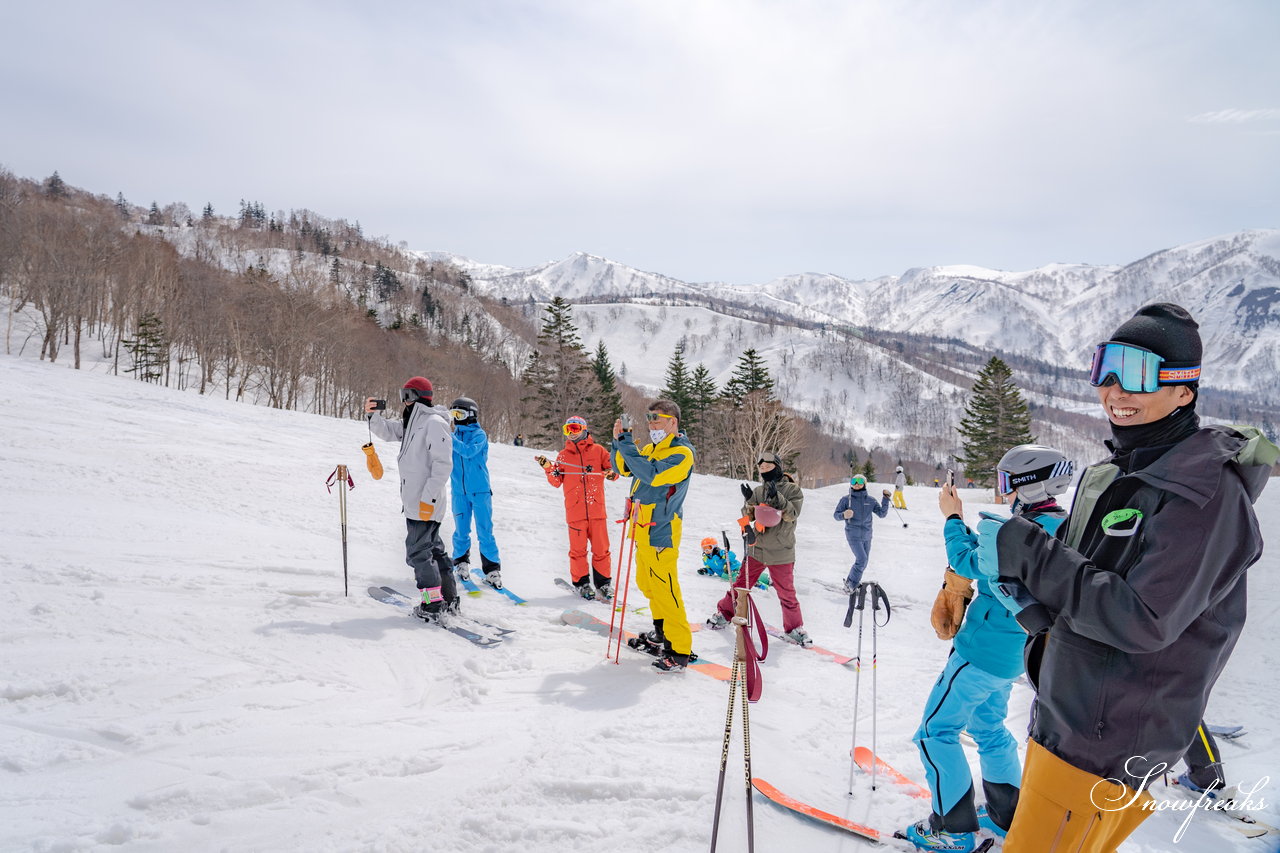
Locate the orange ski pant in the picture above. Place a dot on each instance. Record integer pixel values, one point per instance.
(594, 532)
(1063, 808)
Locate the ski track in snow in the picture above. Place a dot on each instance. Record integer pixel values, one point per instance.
(179, 668)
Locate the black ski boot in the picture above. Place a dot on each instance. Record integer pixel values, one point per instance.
(648, 643)
(671, 662)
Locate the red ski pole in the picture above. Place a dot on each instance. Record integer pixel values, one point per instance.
(627, 544)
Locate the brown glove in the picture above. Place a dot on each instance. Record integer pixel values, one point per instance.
(372, 460)
(948, 607)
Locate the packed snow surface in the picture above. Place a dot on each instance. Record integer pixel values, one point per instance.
(180, 669)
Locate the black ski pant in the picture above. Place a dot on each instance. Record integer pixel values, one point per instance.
(427, 556)
(1204, 763)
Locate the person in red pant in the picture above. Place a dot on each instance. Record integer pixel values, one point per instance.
(580, 470)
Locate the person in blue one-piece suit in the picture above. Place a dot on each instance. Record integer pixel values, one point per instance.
(472, 493)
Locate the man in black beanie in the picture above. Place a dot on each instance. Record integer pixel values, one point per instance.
(1146, 584)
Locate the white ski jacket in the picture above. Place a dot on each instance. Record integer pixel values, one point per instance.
(426, 457)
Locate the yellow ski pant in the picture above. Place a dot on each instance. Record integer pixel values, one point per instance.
(657, 579)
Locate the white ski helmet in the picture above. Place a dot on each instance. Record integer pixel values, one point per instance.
(1034, 471)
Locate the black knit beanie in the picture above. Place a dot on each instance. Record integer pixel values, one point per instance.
(1169, 332)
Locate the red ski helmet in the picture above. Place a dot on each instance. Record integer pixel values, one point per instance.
(417, 388)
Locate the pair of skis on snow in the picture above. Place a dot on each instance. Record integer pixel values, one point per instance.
(480, 633)
(866, 761)
(1239, 821)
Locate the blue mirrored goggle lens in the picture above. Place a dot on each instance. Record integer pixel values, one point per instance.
(1136, 370)
(1002, 483)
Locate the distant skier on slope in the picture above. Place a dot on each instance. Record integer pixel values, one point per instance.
(580, 470)
(972, 693)
(472, 494)
(899, 483)
(855, 510)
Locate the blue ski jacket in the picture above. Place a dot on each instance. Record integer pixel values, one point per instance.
(863, 505)
(990, 637)
(470, 461)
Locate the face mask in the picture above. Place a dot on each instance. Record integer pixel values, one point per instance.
(656, 435)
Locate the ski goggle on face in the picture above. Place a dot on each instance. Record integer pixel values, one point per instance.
(573, 429)
(460, 414)
(411, 395)
(1136, 369)
(857, 481)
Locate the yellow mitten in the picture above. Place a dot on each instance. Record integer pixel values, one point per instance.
(372, 460)
(948, 607)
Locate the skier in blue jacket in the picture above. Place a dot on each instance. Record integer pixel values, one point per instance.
(855, 510)
(972, 693)
(472, 493)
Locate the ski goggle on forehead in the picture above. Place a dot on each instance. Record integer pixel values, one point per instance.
(1136, 369)
(573, 429)
(1007, 483)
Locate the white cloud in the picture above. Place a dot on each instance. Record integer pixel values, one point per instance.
(1235, 116)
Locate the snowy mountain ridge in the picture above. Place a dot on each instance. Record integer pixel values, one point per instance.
(1231, 284)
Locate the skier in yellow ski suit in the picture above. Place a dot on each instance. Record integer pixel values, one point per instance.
(661, 472)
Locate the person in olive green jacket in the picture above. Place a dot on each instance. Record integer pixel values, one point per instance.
(773, 507)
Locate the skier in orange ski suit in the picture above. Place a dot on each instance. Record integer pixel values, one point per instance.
(580, 469)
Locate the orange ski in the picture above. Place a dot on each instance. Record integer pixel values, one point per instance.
(809, 811)
(864, 757)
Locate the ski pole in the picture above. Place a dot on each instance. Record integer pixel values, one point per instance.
(895, 512)
(724, 752)
(339, 475)
(741, 656)
(620, 613)
(856, 602)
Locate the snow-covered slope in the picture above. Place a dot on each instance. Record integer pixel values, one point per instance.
(179, 669)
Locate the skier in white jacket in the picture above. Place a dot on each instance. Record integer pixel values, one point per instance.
(425, 462)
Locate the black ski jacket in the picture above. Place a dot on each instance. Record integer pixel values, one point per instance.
(1147, 611)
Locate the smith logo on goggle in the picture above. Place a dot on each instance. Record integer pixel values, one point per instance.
(1016, 480)
(1170, 376)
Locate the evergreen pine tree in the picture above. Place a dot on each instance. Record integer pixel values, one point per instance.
(558, 379)
(122, 205)
(995, 419)
(149, 349)
(750, 375)
(677, 385)
(54, 185)
(207, 214)
(608, 400)
(869, 470)
(702, 396)
(153, 216)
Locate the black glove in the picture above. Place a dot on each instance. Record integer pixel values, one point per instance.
(771, 490)
(747, 491)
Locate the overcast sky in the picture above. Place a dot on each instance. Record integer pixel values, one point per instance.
(729, 140)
